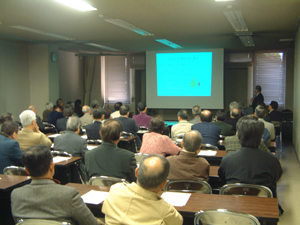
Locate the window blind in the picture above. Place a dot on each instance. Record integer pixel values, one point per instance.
(116, 79)
(270, 74)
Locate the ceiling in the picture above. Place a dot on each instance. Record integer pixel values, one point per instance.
(192, 24)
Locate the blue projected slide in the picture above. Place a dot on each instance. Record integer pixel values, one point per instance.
(184, 74)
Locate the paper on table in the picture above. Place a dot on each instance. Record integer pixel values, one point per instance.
(52, 146)
(90, 147)
(58, 159)
(94, 197)
(176, 199)
(207, 152)
(84, 136)
(53, 135)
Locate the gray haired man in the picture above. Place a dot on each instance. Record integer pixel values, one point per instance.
(196, 111)
(72, 143)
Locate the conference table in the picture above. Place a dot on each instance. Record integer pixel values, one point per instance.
(265, 209)
(7, 184)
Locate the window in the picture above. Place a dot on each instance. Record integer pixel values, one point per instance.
(270, 74)
(116, 79)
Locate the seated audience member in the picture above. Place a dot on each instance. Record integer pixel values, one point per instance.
(6, 117)
(266, 116)
(86, 118)
(60, 104)
(234, 117)
(260, 113)
(227, 129)
(39, 121)
(209, 131)
(10, 152)
(274, 114)
(232, 143)
(72, 143)
(106, 115)
(49, 109)
(44, 198)
(78, 108)
(156, 143)
(250, 164)
(93, 129)
(232, 105)
(117, 110)
(186, 165)
(109, 160)
(140, 203)
(196, 110)
(94, 105)
(128, 124)
(30, 134)
(142, 119)
(61, 124)
(183, 126)
(55, 115)
(242, 108)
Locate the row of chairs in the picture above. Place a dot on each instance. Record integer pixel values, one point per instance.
(217, 217)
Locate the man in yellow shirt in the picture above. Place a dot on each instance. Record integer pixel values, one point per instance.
(140, 203)
(30, 134)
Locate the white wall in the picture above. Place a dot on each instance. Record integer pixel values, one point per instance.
(24, 77)
(296, 111)
(71, 78)
(14, 78)
(39, 76)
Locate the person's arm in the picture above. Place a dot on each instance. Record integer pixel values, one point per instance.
(15, 154)
(272, 134)
(168, 146)
(173, 217)
(131, 170)
(80, 212)
(45, 140)
(221, 172)
(135, 126)
(83, 150)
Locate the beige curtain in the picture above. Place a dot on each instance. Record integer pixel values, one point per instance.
(89, 68)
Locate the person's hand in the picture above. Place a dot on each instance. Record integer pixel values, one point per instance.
(252, 99)
(36, 128)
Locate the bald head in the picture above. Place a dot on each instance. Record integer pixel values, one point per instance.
(192, 141)
(153, 171)
(86, 109)
(32, 108)
(235, 113)
(206, 116)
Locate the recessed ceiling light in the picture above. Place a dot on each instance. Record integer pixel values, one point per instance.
(78, 4)
(287, 39)
(128, 26)
(42, 32)
(224, 0)
(101, 46)
(168, 43)
(237, 20)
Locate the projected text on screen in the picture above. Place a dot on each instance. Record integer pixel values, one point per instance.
(184, 74)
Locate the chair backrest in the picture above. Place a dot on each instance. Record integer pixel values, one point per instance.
(139, 156)
(179, 136)
(223, 216)
(15, 170)
(188, 186)
(143, 128)
(40, 222)
(277, 126)
(126, 134)
(105, 181)
(246, 189)
(59, 153)
(209, 146)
